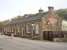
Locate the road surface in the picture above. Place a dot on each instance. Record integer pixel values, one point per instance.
(15, 43)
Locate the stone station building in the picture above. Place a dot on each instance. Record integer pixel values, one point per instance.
(43, 26)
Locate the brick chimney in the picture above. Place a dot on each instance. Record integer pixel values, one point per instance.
(50, 10)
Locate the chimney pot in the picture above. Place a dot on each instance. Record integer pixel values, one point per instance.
(50, 8)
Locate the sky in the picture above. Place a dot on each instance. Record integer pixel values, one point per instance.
(12, 8)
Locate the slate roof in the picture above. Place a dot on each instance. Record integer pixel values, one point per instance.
(29, 18)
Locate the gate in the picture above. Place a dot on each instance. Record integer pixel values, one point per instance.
(48, 35)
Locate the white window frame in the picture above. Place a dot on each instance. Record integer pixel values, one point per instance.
(27, 28)
(37, 29)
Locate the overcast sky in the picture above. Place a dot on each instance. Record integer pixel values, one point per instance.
(12, 8)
